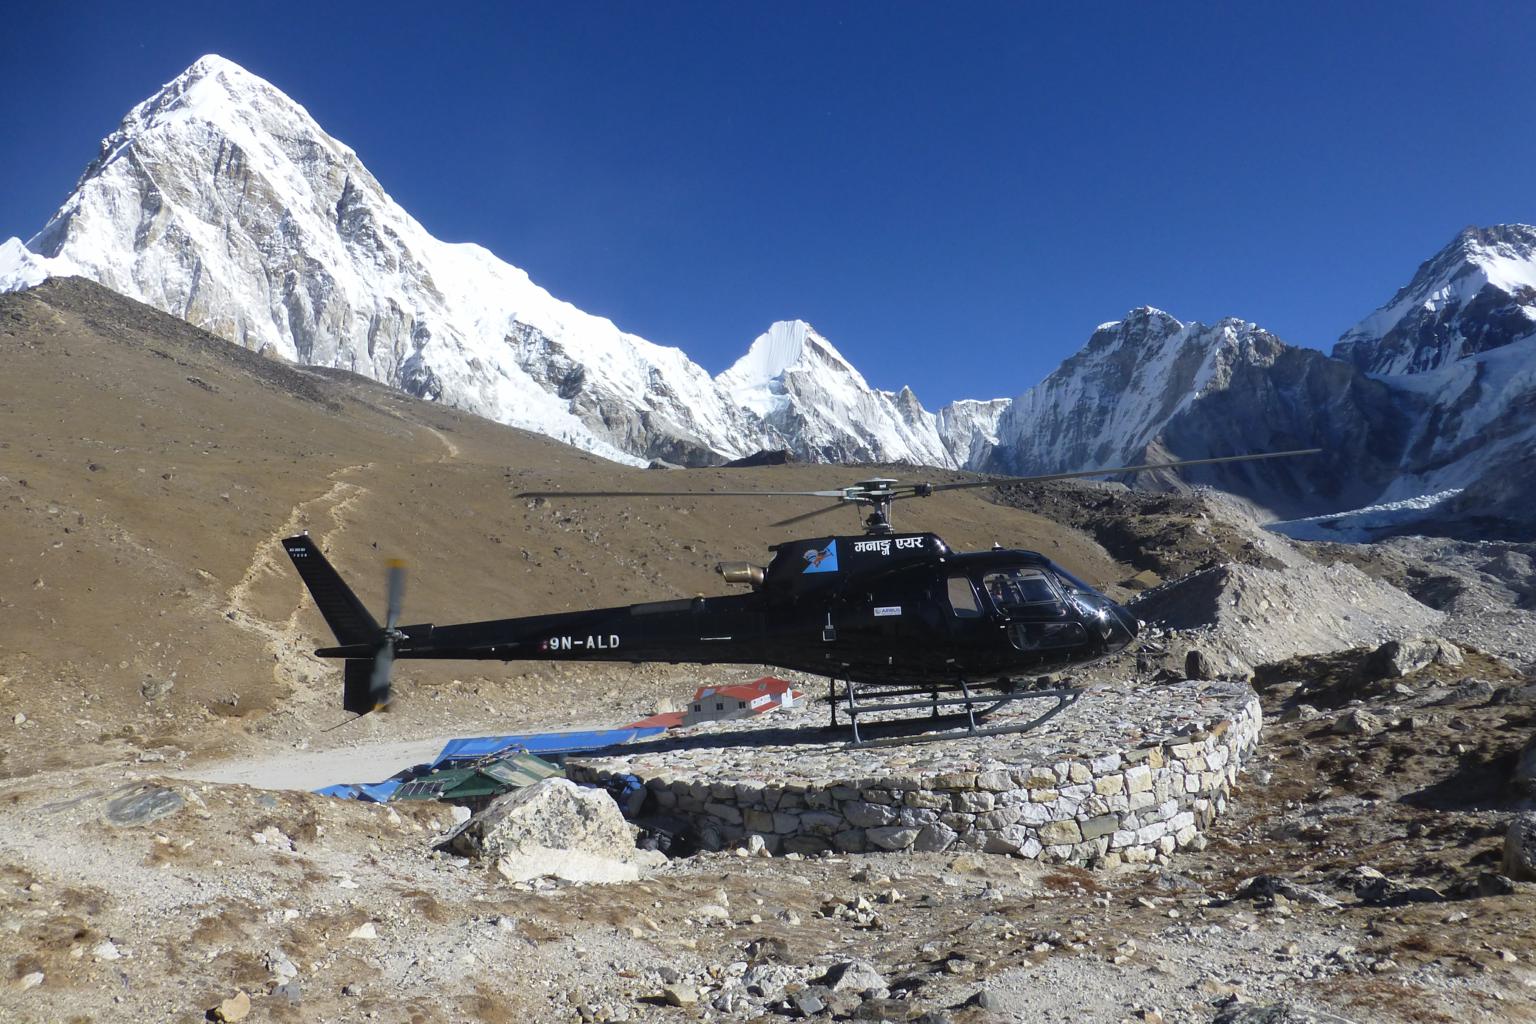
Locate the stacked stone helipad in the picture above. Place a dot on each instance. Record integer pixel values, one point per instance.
(1122, 775)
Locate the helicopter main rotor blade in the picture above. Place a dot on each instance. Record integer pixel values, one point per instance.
(680, 494)
(1000, 481)
(378, 679)
(810, 515)
(395, 586)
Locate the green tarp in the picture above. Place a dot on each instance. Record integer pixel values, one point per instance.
(489, 777)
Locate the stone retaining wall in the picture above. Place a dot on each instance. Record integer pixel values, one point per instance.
(1136, 805)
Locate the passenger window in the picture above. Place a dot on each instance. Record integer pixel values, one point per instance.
(962, 598)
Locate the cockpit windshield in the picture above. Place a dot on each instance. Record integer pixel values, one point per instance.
(1014, 589)
(1072, 582)
(1088, 601)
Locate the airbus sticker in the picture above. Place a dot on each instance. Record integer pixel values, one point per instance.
(823, 559)
(885, 610)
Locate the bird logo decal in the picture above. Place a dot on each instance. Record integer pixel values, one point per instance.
(821, 559)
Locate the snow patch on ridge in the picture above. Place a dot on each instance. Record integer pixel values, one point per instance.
(1363, 525)
(21, 268)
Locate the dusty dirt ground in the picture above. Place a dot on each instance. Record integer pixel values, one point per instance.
(152, 630)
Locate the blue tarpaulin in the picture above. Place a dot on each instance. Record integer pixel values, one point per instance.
(547, 744)
(541, 743)
(378, 792)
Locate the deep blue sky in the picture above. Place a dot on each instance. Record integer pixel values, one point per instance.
(955, 194)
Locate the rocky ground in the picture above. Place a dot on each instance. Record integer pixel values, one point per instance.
(1161, 535)
(1486, 588)
(1358, 873)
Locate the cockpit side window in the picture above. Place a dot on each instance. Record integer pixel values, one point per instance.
(962, 598)
(1021, 588)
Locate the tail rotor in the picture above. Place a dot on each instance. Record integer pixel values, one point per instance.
(369, 648)
(384, 656)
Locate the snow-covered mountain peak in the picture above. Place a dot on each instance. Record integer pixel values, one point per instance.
(212, 64)
(806, 397)
(220, 200)
(1501, 249)
(1143, 327)
(21, 268)
(218, 92)
(788, 344)
(1476, 294)
(216, 89)
(205, 81)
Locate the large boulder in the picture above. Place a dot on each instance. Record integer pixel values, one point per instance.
(856, 976)
(1520, 847)
(1357, 722)
(140, 803)
(1525, 770)
(554, 828)
(1397, 658)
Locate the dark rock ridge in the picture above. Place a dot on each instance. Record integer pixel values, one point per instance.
(1475, 295)
(1435, 392)
(1150, 387)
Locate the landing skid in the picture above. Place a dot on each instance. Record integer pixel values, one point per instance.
(968, 710)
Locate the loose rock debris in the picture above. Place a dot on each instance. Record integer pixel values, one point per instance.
(1359, 873)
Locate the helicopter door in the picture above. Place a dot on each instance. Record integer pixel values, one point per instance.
(968, 618)
(891, 620)
(963, 602)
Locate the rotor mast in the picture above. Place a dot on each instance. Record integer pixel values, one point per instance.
(877, 495)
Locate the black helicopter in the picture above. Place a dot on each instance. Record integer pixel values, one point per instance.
(900, 619)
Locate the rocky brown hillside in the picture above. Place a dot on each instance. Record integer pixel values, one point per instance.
(149, 468)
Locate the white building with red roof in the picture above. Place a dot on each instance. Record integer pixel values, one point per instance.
(741, 700)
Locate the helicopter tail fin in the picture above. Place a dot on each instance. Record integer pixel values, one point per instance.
(343, 612)
(361, 692)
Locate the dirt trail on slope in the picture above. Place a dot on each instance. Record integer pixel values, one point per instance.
(289, 646)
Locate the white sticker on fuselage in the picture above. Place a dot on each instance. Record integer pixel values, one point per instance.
(889, 609)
